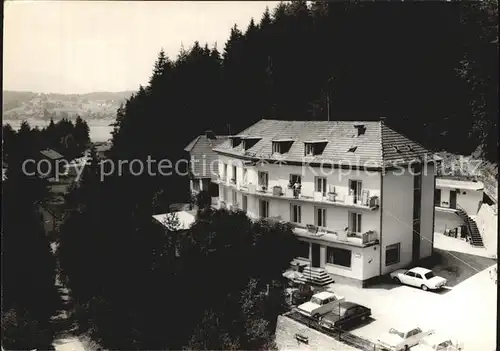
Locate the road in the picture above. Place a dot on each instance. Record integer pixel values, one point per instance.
(450, 311)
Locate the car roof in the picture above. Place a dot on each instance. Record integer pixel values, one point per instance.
(420, 270)
(437, 338)
(404, 327)
(349, 304)
(324, 295)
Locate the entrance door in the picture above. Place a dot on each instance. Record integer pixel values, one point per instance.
(315, 255)
(453, 199)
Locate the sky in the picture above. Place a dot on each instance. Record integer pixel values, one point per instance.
(74, 47)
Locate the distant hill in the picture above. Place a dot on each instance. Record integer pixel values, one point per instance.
(21, 105)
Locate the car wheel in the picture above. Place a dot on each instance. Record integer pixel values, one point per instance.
(363, 318)
(316, 316)
(425, 288)
(396, 280)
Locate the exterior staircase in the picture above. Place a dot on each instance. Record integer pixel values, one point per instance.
(472, 228)
(315, 276)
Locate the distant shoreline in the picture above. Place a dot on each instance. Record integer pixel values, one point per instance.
(100, 129)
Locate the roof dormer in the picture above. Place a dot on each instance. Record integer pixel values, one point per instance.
(360, 129)
(314, 147)
(281, 146)
(235, 141)
(250, 141)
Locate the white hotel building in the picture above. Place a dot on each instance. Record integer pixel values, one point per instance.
(360, 212)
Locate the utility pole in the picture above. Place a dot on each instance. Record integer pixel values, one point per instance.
(328, 104)
(328, 97)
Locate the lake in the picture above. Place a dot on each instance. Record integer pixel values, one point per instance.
(100, 130)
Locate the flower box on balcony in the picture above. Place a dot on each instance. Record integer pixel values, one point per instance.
(277, 190)
(373, 202)
(311, 228)
(262, 188)
(369, 236)
(332, 197)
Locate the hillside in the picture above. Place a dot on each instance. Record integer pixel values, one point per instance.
(20, 105)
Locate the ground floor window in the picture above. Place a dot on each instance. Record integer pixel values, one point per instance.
(264, 208)
(392, 253)
(196, 184)
(303, 249)
(338, 256)
(296, 213)
(244, 202)
(235, 198)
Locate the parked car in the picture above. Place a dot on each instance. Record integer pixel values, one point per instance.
(418, 277)
(320, 304)
(437, 342)
(397, 339)
(345, 314)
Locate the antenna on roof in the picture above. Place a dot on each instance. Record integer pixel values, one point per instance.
(229, 129)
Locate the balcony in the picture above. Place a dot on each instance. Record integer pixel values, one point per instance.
(350, 201)
(368, 238)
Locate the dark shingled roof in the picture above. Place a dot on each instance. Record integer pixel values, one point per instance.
(378, 146)
(201, 150)
(52, 154)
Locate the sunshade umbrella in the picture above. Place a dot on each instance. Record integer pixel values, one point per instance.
(292, 275)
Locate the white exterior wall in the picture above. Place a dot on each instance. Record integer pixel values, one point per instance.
(469, 200)
(445, 221)
(427, 212)
(280, 175)
(487, 222)
(397, 216)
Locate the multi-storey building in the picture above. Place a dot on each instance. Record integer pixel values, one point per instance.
(359, 194)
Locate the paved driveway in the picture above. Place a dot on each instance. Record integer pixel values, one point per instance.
(466, 312)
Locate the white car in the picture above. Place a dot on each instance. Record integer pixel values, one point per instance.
(397, 339)
(418, 277)
(437, 342)
(320, 304)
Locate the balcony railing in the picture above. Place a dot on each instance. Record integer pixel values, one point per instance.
(357, 239)
(369, 202)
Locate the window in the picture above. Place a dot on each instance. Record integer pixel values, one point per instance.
(295, 178)
(321, 217)
(355, 188)
(321, 185)
(429, 275)
(276, 147)
(309, 150)
(437, 197)
(224, 171)
(410, 274)
(245, 176)
(338, 256)
(235, 141)
(354, 222)
(196, 184)
(263, 208)
(392, 254)
(244, 202)
(303, 249)
(233, 177)
(263, 179)
(235, 198)
(205, 184)
(296, 213)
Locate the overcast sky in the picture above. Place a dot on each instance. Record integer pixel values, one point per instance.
(79, 46)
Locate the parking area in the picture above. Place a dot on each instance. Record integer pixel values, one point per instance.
(465, 310)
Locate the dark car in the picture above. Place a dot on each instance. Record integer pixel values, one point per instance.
(302, 294)
(345, 314)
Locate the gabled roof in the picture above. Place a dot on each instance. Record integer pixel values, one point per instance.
(52, 154)
(201, 150)
(378, 146)
(186, 218)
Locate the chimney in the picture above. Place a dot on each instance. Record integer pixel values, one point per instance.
(210, 135)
